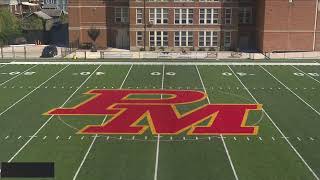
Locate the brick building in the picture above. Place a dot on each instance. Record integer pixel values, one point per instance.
(264, 25)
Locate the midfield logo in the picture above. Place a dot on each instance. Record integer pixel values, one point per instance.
(127, 112)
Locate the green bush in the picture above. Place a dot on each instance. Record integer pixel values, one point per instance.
(152, 49)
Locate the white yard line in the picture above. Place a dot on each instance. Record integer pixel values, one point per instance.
(48, 120)
(87, 153)
(158, 137)
(291, 91)
(17, 75)
(95, 137)
(275, 125)
(306, 74)
(32, 91)
(222, 138)
(191, 63)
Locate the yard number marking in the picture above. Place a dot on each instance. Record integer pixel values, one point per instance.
(88, 73)
(159, 73)
(239, 73)
(17, 73)
(302, 74)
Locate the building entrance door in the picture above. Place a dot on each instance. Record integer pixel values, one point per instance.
(122, 39)
(244, 42)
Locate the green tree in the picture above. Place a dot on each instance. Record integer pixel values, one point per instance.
(93, 33)
(9, 26)
(32, 23)
(64, 19)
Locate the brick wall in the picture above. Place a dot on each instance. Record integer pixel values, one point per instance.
(287, 26)
(278, 24)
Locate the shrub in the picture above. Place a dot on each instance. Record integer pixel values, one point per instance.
(152, 49)
(201, 49)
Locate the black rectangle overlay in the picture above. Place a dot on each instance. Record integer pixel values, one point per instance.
(27, 169)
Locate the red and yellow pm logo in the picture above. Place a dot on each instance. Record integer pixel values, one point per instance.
(162, 115)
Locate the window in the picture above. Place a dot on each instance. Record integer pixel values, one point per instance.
(208, 39)
(158, 16)
(140, 38)
(227, 16)
(183, 38)
(227, 39)
(209, 16)
(158, 38)
(139, 16)
(245, 16)
(121, 15)
(183, 16)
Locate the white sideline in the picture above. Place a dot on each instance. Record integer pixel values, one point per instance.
(48, 120)
(222, 138)
(158, 137)
(291, 90)
(306, 74)
(32, 91)
(275, 125)
(191, 63)
(17, 75)
(95, 137)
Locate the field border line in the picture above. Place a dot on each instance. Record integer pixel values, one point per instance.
(191, 63)
(291, 90)
(48, 120)
(96, 135)
(306, 74)
(14, 77)
(221, 136)
(36, 88)
(276, 126)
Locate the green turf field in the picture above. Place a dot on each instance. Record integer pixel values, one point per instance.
(287, 146)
